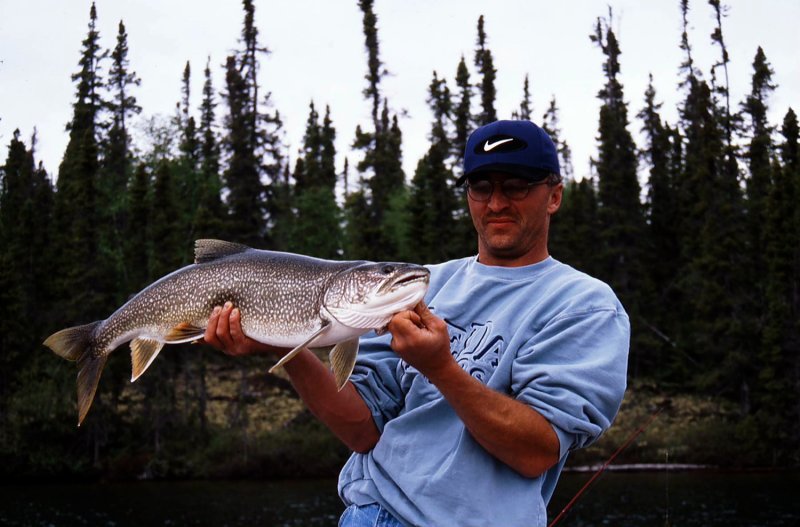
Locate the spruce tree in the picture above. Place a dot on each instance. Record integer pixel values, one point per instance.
(550, 124)
(26, 198)
(116, 169)
(209, 220)
(620, 210)
(315, 230)
(484, 64)
(464, 236)
(246, 193)
(525, 108)
(433, 203)
(360, 231)
(716, 340)
(138, 246)
(663, 257)
(778, 356)
(122, 106)
(382, 147)
(253, 145)
(84, 288)
(189, 145)
(574, 229)
(759, 153)
(462, 115)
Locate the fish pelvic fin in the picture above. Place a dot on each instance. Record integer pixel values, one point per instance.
(307, 344)
(207, 250)
(184, 332)
(90, 366)
(144, 350)
(343, 360)
(72, 343)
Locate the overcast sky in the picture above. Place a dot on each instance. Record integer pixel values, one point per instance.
(317, 53)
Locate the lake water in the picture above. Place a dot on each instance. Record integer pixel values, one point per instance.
(631, 499)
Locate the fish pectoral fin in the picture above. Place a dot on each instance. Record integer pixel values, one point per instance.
(184, 332)
(343, 360)
(307, 344)
(143, 351)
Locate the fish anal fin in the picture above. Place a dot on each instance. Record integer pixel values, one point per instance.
(307, 344)
(343, 360)
(207, 250)
(143, 351)
(90, 367)
(184, 332)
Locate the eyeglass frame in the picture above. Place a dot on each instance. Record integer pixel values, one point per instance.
(528, 185)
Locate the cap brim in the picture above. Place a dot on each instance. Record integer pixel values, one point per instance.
(528, 173)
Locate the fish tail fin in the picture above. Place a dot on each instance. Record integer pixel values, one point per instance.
(72, 343)
(89, 369)
(76, 344)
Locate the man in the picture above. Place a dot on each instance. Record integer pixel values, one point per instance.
(465, 412)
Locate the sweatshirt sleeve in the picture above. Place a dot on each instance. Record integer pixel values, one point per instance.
(375, 378)
(574, 372)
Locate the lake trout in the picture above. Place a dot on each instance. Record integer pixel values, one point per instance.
(286, 300)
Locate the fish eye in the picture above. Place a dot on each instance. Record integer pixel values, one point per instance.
(387, 269)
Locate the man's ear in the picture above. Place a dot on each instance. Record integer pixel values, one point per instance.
(556, 194)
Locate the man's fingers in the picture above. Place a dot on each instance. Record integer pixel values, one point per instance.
(428, 319)
(211, 329)
(235, 324)
(223, 327)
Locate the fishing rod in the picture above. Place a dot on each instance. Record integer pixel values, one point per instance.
(596, 475)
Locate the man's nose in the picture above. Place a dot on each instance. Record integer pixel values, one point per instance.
(498, 200)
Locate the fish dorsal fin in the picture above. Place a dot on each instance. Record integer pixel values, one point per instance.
(143, 351)
(343, 360)
(208, 250)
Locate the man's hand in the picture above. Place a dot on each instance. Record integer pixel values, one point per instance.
(224, 332)
(344, 412)
(508, 429)
(421, 339)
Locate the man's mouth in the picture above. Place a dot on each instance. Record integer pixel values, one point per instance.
(499, 221)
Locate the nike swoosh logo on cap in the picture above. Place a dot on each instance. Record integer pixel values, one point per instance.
(488, 147)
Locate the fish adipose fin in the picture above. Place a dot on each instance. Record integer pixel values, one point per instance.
(76, 344)
(307, 344)
(209, 250)
(343, 360)
(143, 351)
(184, 332)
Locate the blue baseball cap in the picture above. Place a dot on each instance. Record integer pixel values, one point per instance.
(515, 147)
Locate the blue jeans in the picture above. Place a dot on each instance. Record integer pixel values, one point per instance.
(372, 515)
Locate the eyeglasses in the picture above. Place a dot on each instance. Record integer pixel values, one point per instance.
(513, 188)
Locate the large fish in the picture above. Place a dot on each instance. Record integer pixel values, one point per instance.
(285, 299)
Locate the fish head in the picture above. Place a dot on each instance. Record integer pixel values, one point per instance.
(367, 295)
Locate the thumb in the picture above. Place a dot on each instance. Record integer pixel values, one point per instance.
(424, 313)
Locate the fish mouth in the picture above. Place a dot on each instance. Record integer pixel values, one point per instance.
(406, 279)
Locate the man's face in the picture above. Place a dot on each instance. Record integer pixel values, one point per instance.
(513, 232)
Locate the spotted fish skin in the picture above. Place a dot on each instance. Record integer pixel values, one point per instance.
(285, 300)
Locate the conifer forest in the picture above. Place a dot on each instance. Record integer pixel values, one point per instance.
(696, 228)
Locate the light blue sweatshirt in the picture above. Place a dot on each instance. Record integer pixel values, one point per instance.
(545, 334)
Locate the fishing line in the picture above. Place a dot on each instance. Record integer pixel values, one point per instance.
(596, 475)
